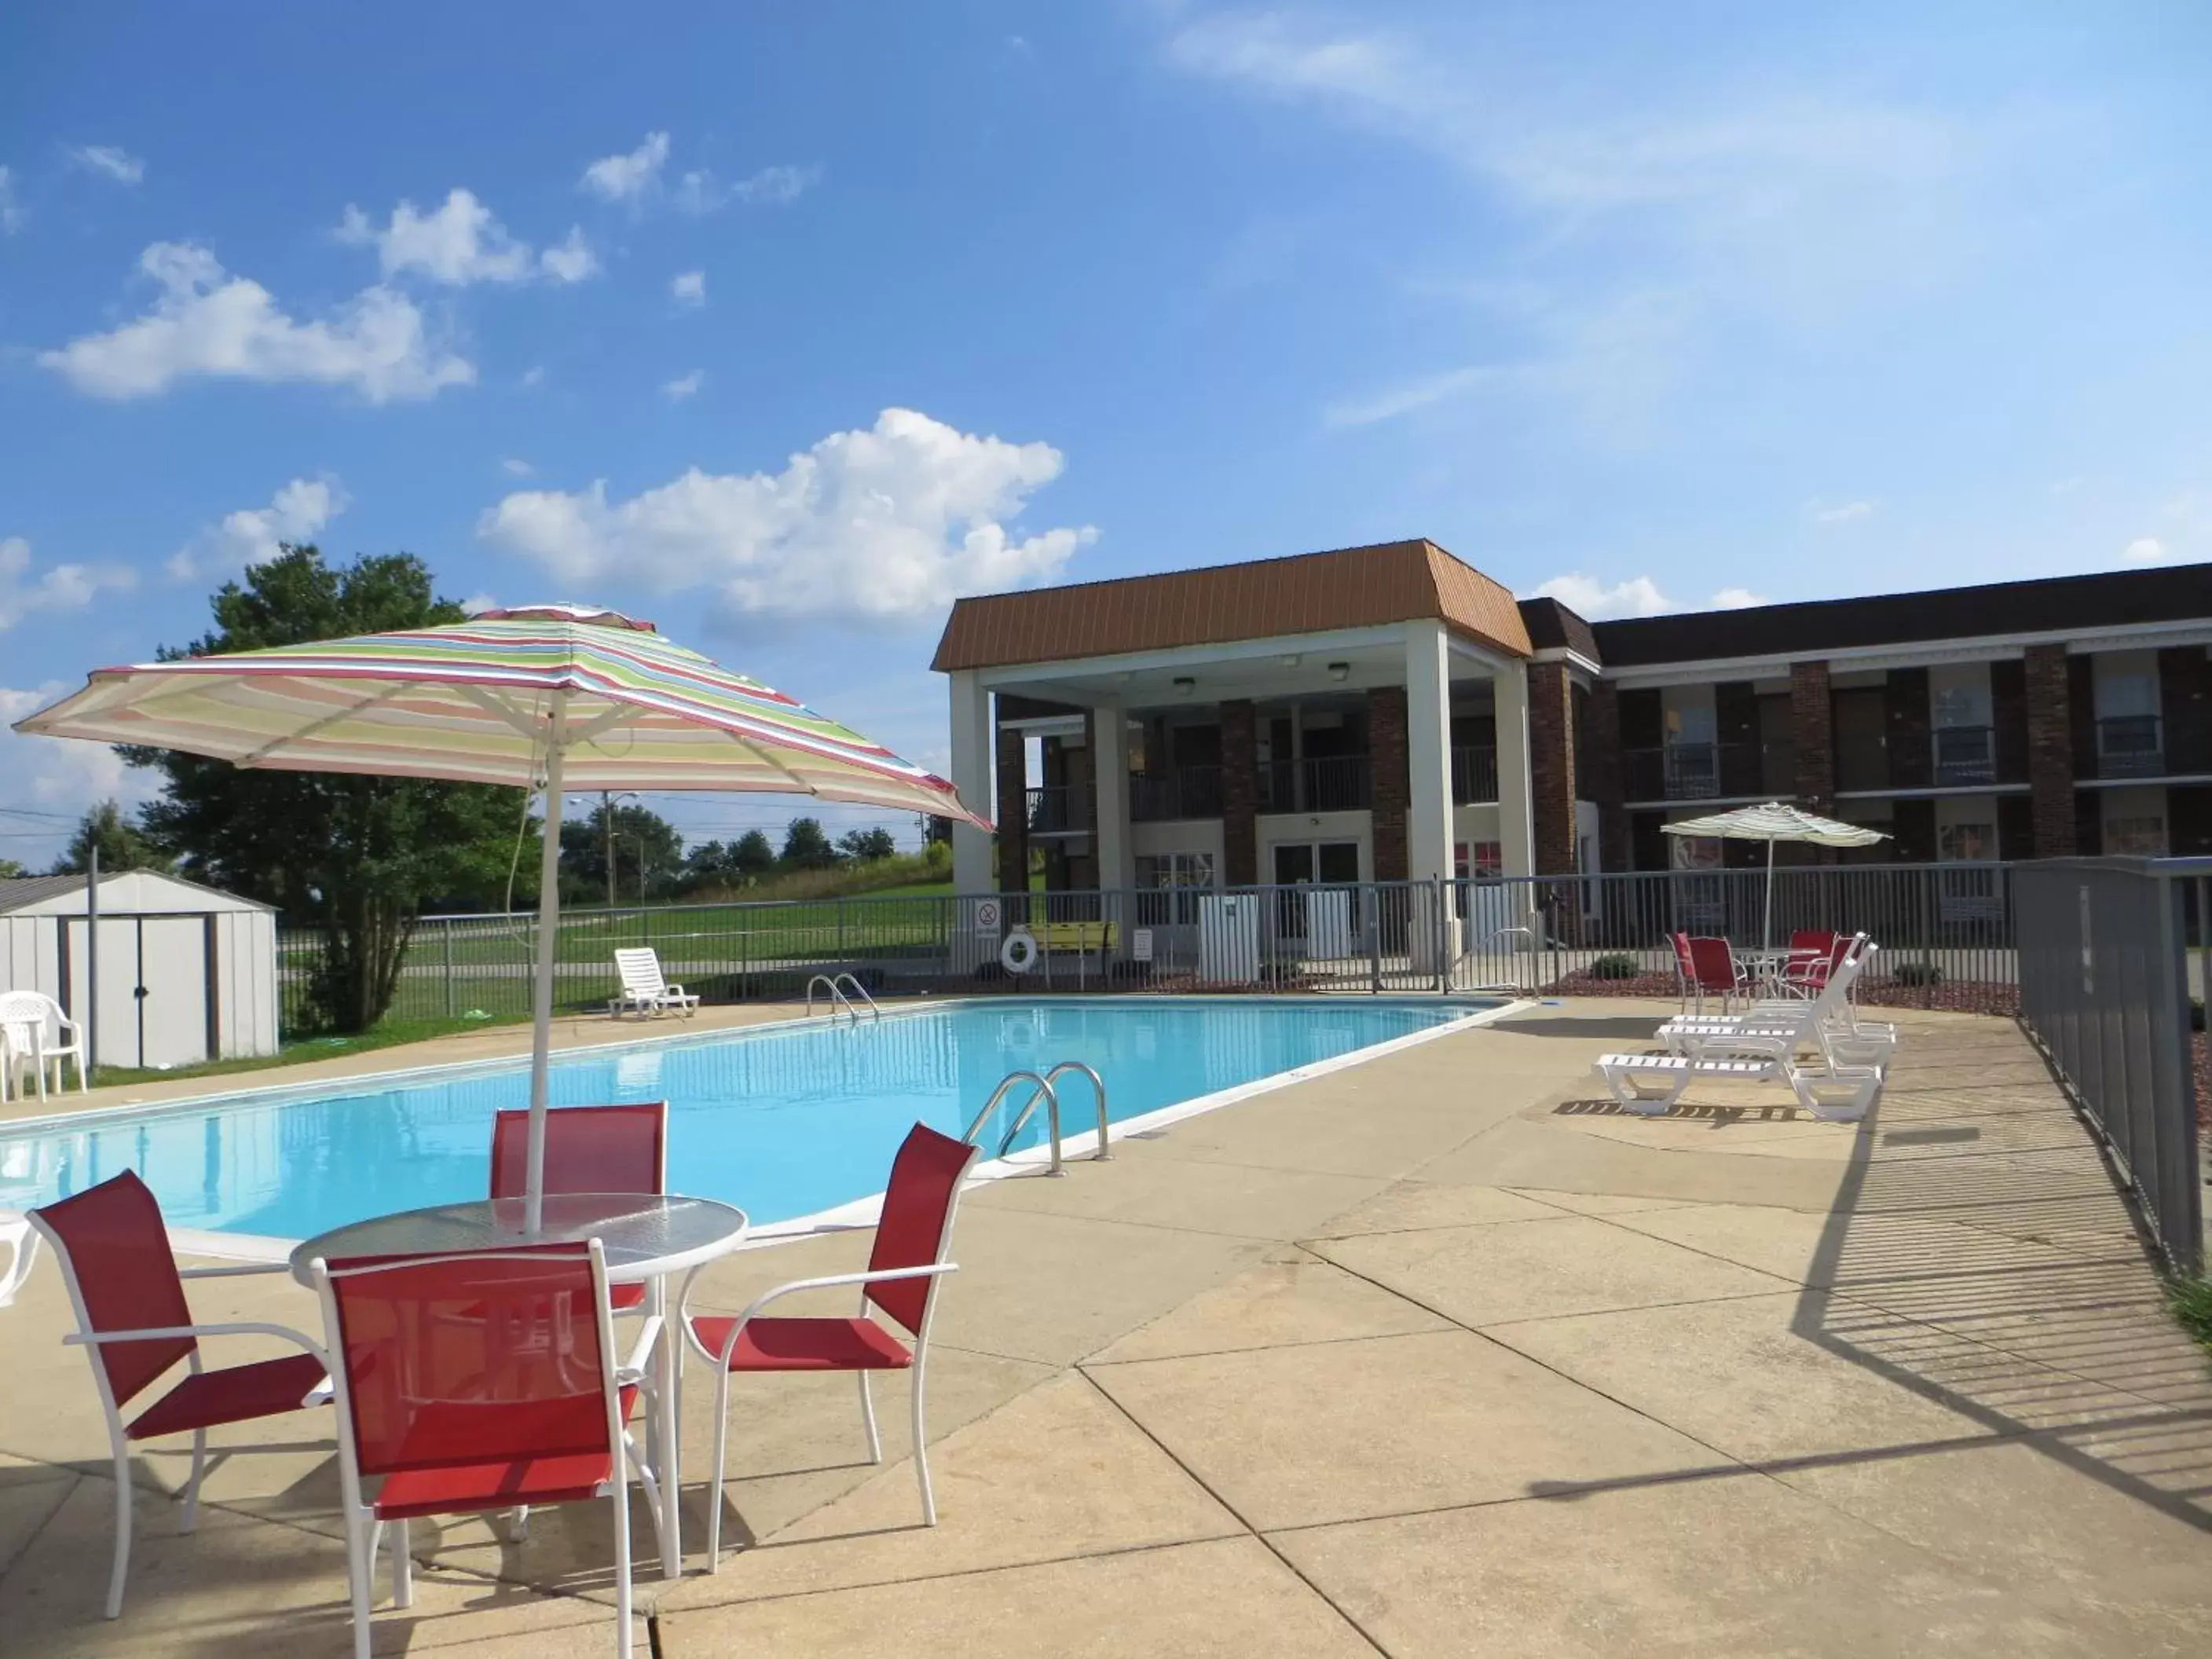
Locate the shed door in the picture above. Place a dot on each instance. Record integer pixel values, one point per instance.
(117, 1032)
(172, 990)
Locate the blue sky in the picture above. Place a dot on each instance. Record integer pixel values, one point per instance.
(784, 326)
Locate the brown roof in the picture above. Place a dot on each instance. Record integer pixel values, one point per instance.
(1306, 594)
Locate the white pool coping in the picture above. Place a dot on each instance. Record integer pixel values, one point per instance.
(841, 1217)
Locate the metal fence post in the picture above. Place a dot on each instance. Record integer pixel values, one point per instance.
(446, 929)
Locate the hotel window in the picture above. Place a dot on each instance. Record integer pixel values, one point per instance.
(1182, 874)
(1966, 843)
(2141, 838)
(1488, 863)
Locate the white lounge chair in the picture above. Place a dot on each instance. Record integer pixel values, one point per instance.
(1799, 1024)
(643, 988)
(22, 1246)
(35, 1032)
(1829, 1089)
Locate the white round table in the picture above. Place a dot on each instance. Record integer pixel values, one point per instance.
(644, 1238)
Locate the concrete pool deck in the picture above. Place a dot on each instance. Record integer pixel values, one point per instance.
(1435, 1355)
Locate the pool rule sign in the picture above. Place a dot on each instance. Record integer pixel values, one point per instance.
(987, 916)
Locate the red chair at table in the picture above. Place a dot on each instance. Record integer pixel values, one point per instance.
(908, 1257)
(589, 1149)
(1710, 970)
(129, 1296)
(474, 1382)
(1814, 953)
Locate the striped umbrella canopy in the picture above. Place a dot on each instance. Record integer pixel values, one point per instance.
(1772, 823)
(547, 697)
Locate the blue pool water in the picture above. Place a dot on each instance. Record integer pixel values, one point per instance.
(782, 1123)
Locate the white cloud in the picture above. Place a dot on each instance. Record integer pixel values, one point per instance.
(110, 162)
(1840, 512)
(690, 288)
(619, 178)
(1639, 596)
(59, 587)
(515, 467)
(700, 192)
(1737, 599)
(534, 375)
(2146, 549)
(60, 776)
(1412, 395)
(296, 513)
(773, 185)
(570, 261)
(889, 523)
(11, 213)
(683, 386)
(206, 322)
(460, 243)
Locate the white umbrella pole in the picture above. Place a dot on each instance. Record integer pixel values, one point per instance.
(549, 935)
(1766, 924)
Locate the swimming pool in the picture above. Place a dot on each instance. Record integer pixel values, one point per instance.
(784, 1121)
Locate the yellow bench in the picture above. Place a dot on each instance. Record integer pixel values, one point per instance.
(1092, 938)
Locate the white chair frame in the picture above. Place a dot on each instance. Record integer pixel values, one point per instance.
(365, 1534)
(919, 1370)
(23, 1242)
(36, 1014)
(118, 1442)
(645, 986)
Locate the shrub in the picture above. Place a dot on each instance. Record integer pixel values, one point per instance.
(1917, 973)
(1618, 964)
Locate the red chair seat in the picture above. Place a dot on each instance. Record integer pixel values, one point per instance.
(467, 1488)
(806, 1345)
(620, 1297)
(233, 1395)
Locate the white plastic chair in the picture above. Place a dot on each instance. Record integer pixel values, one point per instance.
(33, 1029)
(22, 1246)
(643, 986)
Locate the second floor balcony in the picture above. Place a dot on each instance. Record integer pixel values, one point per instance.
(1691, 771)
(1330, 783)
(1473, 775)
(1182, 792)
(1059, 809)
(2130, 746)
(1965, 755)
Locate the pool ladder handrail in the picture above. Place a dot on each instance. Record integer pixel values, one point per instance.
(837, 997)
(1043, 1091)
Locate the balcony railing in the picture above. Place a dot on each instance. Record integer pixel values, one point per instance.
(1187, 791)
(1059, 809)
(2130, 746)
(1474, 775)
(1334, 783)
(1965, 755)
(1687, 771)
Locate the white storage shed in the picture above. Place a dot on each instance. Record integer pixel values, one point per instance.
(186, 973)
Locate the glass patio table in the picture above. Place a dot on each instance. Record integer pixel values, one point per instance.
(645, 1238)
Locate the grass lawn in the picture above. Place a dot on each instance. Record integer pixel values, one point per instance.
(388, 1033)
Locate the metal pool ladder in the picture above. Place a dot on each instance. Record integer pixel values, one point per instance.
(838, 998)
(1043, 1091)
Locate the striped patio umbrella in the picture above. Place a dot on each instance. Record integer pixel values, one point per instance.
(547, 697)
(1770, 823)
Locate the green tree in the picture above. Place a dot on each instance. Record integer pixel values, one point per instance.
(645, 845)
(353, 857)
(863, 846)
(122, 846)
(11, 871)
(753, 856)
(806, 846)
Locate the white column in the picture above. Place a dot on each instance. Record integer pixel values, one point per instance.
(1517, 823)
(1428, 753)
(1109, 752)
(972, 775)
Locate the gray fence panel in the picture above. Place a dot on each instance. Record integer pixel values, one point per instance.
(2104, 992)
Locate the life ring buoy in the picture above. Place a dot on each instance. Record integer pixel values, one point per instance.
(1019, 953)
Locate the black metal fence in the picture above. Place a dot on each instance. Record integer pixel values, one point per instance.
(1946, 932)
(2103, 986)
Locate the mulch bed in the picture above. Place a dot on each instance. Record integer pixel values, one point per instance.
(2201, 1053)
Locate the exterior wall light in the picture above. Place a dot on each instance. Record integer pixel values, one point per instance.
(1184, 685)
(1339, 670)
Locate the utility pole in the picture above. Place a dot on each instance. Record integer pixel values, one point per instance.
(92, 953)
(607, 828)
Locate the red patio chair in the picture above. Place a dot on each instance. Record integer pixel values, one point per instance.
(912, 1238)
(1814, 953)
(1686, 970)
(1713, 971)
(589, 1149)
(476, 1382)
(128, 1296)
